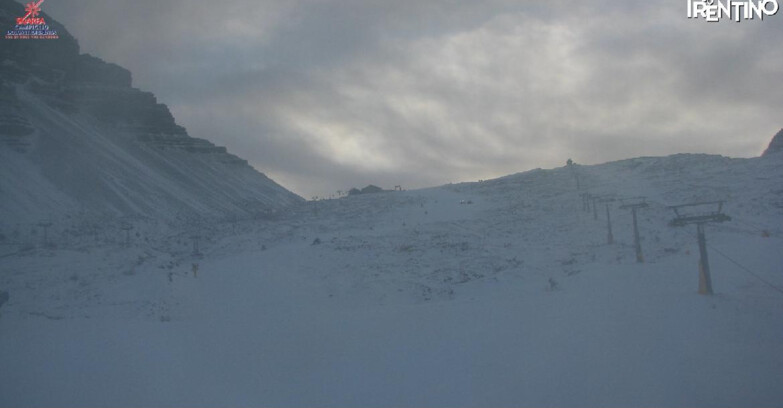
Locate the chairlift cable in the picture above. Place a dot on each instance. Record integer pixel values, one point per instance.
(746, 269)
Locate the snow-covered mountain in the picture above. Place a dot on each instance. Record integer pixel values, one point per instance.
(504, 292)
(76, 137)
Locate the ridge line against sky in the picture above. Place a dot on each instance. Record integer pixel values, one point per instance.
(325, 95)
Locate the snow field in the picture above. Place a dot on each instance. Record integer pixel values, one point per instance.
(418, 298)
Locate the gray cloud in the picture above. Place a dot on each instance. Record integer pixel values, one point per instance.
(327, 94)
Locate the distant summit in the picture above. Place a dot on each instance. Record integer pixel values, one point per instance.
(776, 145)
(76, 137)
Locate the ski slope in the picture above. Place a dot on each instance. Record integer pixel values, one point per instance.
(497, 293)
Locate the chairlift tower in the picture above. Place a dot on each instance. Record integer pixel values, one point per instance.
(609, 235)
(700, 218)
(639, 202)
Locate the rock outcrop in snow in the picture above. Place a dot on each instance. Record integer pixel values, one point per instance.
(776, 145)
(75, 136)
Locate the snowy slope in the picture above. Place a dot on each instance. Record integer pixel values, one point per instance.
(74, 164)
(498, 293)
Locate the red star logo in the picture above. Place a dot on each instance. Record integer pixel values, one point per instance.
(33, 9)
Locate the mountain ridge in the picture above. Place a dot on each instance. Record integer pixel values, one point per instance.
(76, 136)
(775, 145)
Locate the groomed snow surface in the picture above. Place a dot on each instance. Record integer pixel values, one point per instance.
(496, 293)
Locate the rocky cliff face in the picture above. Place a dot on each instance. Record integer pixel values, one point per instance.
(75, 136)
(776, 145)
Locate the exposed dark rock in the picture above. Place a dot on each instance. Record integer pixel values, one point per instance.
(92, 70)
(776, 145)
(372, 189)
(14, 126)
(367, 190)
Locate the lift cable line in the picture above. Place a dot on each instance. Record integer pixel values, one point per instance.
(700, 217)
(764, 231)
(746, 269)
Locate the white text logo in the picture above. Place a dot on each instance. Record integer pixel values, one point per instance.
(737, 10)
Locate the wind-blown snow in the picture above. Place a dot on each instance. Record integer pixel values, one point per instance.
(498, 293)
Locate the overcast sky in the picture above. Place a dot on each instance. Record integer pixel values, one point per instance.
(323, 95)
